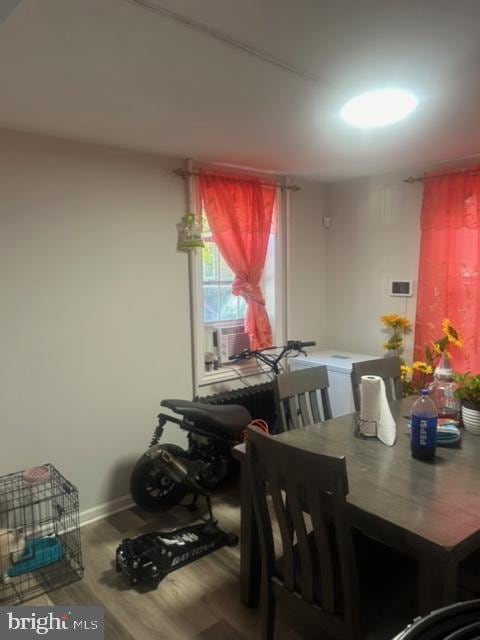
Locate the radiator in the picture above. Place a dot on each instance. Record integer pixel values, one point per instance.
(257, 399)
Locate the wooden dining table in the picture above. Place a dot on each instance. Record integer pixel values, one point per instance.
(429, 510)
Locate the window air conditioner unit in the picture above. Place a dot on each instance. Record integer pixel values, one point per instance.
(230, 340)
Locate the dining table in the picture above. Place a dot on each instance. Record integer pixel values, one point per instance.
(428, 510)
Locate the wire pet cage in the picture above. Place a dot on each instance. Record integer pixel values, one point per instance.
(40, 548)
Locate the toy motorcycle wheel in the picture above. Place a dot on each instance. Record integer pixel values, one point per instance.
(153, 490)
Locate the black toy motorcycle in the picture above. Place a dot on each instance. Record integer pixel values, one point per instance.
(159, 480)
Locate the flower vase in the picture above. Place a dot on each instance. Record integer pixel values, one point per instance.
(393, 353)
(442, 389)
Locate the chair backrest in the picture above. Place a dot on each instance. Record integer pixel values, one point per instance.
(387, 368)
(303, 482)
(296, 397)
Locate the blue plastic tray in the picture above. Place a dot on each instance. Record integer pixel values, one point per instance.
(39, 553)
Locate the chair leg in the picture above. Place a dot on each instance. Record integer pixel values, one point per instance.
(268, 605)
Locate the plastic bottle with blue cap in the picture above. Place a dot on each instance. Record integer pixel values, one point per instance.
(424, 427)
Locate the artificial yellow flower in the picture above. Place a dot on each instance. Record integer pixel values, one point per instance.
(394, 321)
(404, 323)
(406, 372)
(392, 345)
(451, 334)
(436, 348)
(387, 320)
(422, 367)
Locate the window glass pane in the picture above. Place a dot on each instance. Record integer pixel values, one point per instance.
(210, 262)
(228, 303)
(226, 274)
(210, 303)
(205, 227)
(242, 307)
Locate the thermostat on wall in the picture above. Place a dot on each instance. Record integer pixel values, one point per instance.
(401, 288)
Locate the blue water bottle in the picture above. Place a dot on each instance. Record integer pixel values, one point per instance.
(424, 427)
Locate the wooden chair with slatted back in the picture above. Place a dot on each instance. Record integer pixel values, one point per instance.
(387, 368)
(297, 400)
(324, 592)
(325, 565)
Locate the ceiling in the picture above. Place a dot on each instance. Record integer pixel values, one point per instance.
(117, 73)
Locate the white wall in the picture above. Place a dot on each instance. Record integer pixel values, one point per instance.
(307, 265)
(374, 238)
(94, 316)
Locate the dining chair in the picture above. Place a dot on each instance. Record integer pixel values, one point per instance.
(297, 398)
(320, 579)
(387, 368)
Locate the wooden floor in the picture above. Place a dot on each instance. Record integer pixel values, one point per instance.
(200, 601)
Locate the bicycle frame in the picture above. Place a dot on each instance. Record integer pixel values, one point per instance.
(269, 359)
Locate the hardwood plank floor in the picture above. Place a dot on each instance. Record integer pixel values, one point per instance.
(200, 601)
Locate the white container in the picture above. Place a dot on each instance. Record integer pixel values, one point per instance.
(339, 367)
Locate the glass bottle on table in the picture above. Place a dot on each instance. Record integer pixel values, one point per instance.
(442, 390)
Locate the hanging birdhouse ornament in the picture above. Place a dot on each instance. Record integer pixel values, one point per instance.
(190, 232)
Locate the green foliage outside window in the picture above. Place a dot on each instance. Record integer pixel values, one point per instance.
(219, 304)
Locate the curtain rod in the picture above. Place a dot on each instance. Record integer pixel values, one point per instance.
(184, 173)
(411, 179)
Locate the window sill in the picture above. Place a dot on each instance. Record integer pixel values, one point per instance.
(231, 372)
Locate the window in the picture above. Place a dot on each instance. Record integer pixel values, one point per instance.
(219, 304)
(214, 305)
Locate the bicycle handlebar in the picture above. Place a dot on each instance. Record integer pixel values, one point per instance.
(298, 345)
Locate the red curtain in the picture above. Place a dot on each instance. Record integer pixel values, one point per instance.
(240, 214)
(449, 281)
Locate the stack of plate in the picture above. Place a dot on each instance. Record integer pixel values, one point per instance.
(471, 420)
(447, 434)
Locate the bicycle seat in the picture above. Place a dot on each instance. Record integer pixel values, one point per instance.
(230, 418)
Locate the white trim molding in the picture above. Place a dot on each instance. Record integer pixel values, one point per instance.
(105, 509)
